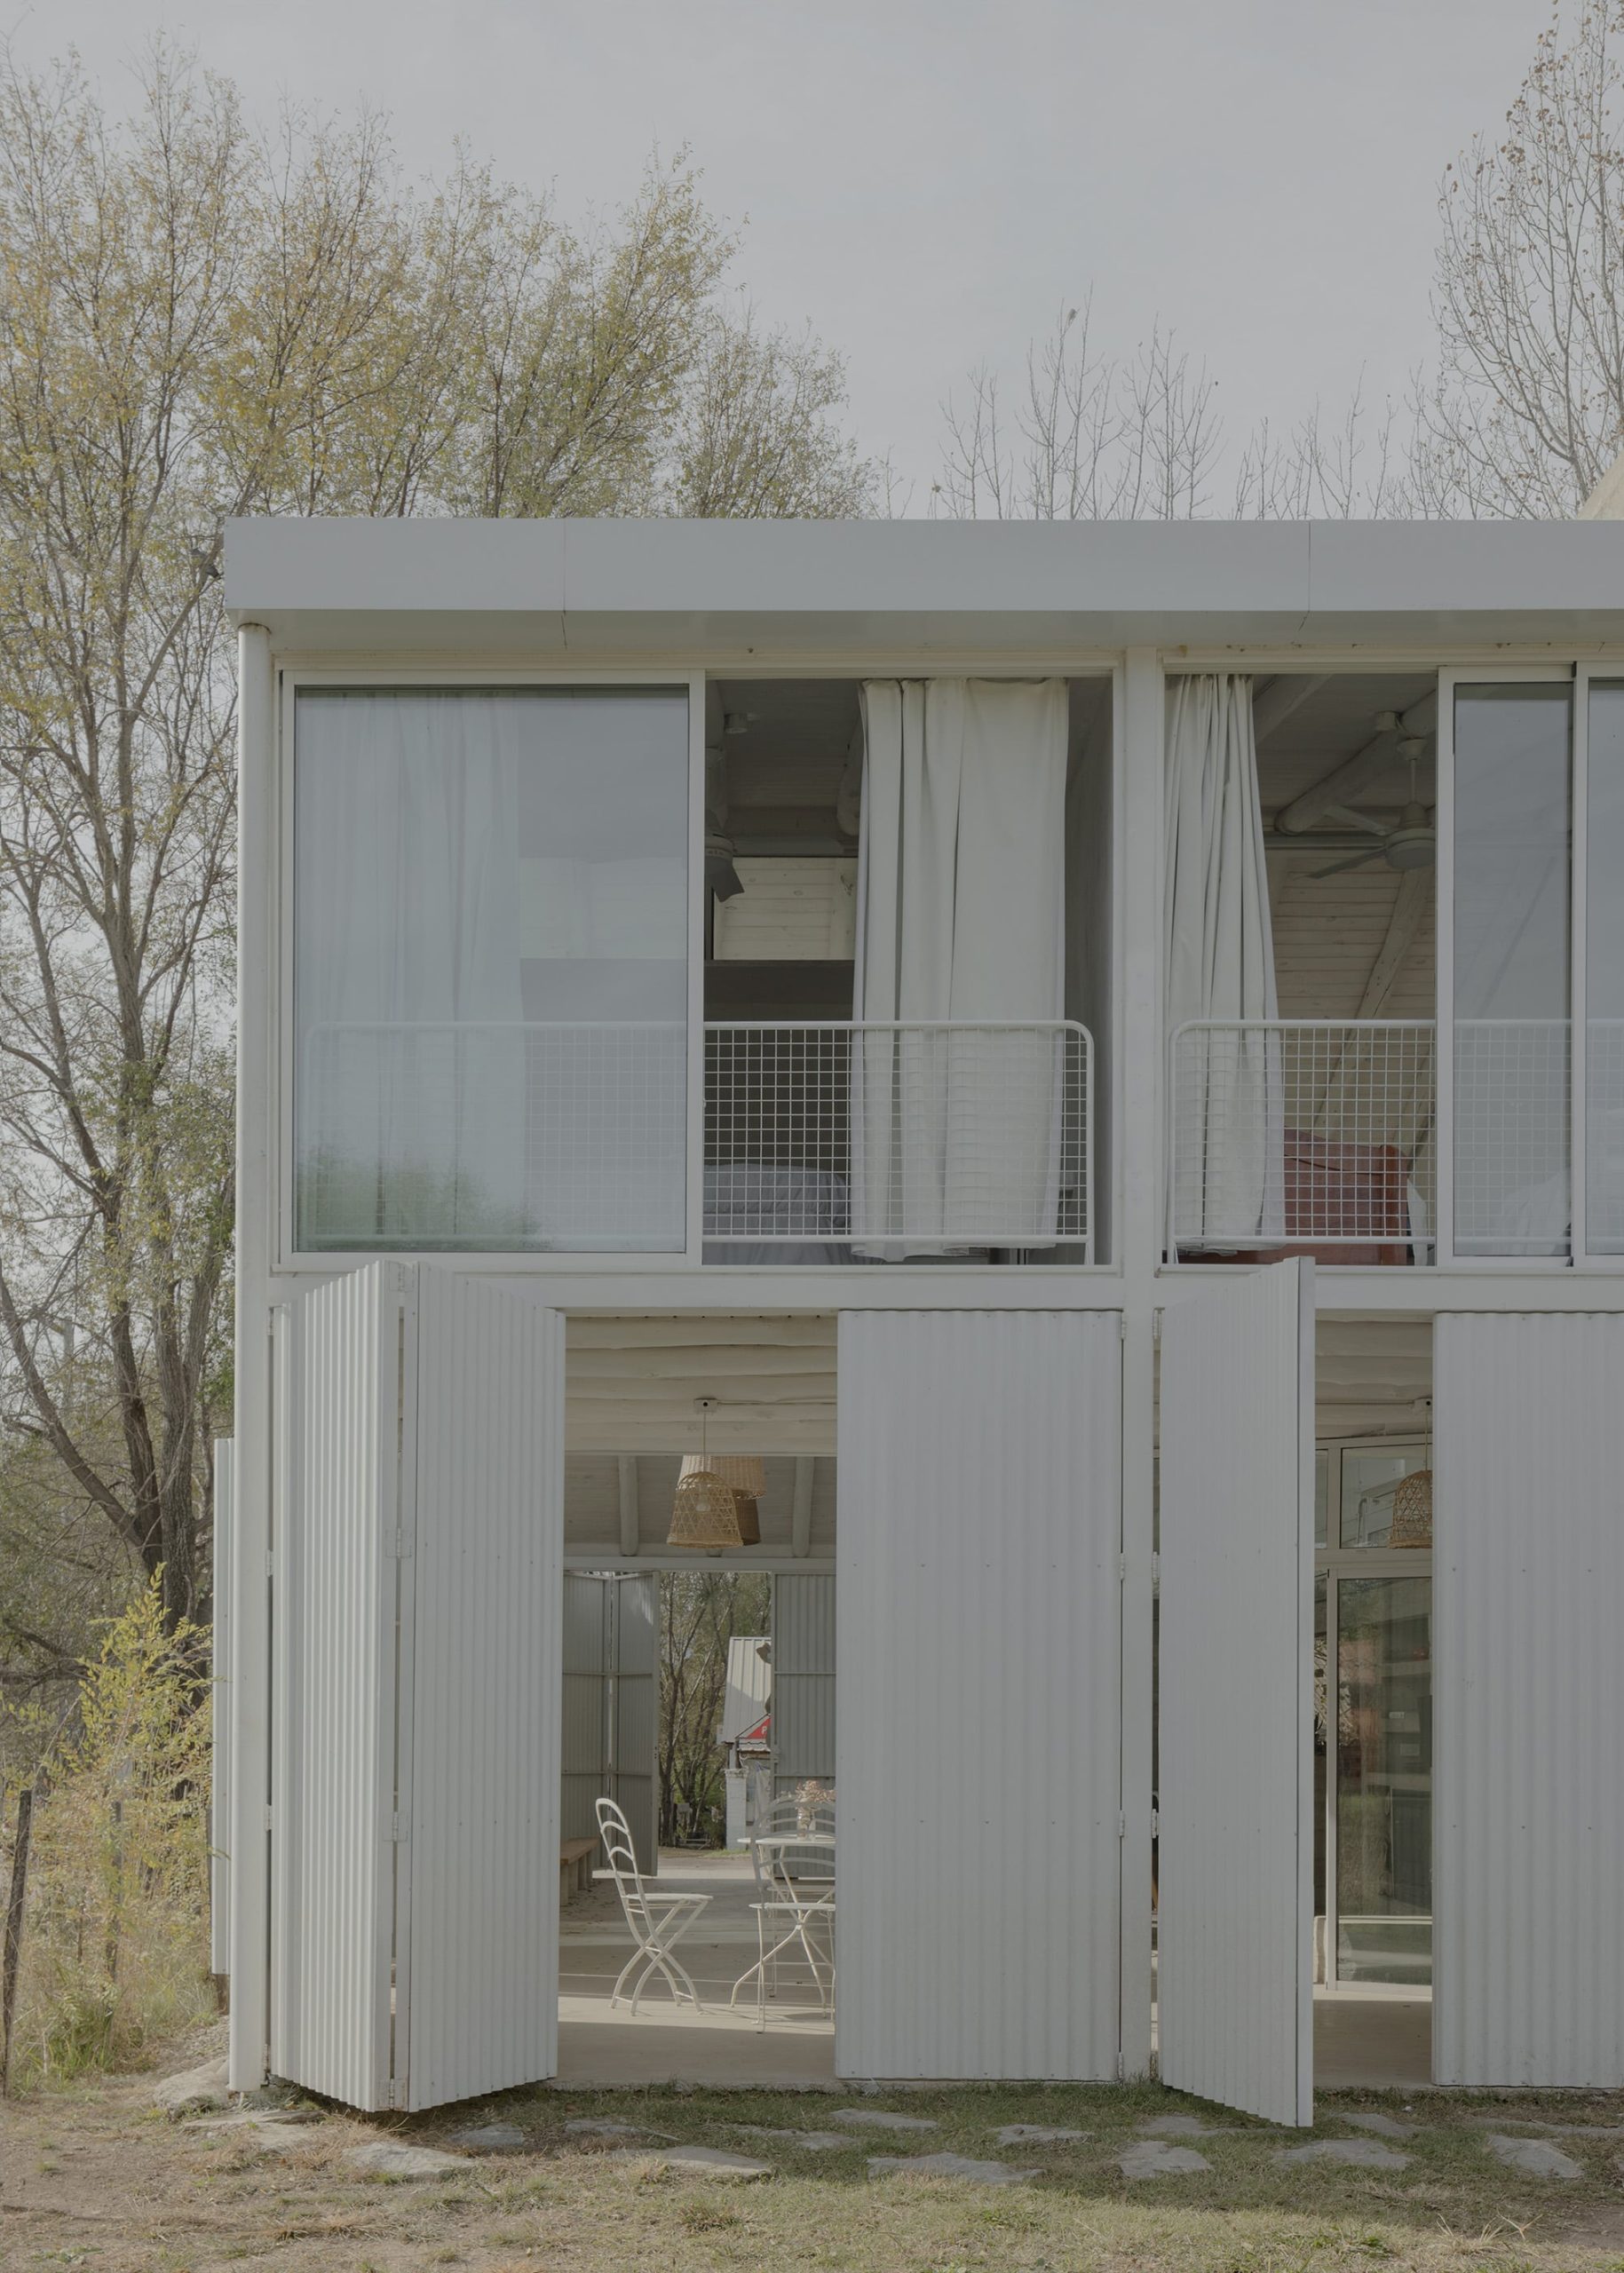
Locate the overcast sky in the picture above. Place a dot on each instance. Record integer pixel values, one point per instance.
(928, 180)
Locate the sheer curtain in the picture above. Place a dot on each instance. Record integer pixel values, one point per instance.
(961, 898)
(1229, 1148)
(410, 1083)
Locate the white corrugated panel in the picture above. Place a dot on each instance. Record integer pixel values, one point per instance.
(635, 1758)
(585, 1742)
(979, 1644)
(802, 1679)
(1235, 1989)
(219, 1796)
(480, 1907)
(333, 1749)
(1528, 1678)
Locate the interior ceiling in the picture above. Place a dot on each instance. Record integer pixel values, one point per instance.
(784, 768)
(632, 1384)
(1338, 719)
(1373, 1376)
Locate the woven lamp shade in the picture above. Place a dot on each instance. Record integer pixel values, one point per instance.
(1413, 1511)
(745, 1475)
(705, 1514)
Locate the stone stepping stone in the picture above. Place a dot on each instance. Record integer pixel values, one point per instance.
(1384, 2127)
(597, 2127)
(946, 2165)
(1179, 2127)
(1037, 2135)
(389, 2159)
(1155, 2158)
(1363, 2154)
(1533, 2158)
(815, 2143)
(257, 2119)
(194, 2088)
(878, 2118)
(489, 2139)
(700, 2158)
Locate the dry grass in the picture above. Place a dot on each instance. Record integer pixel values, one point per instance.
(93, 2177)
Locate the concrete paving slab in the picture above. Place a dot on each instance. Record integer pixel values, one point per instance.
(880, 2118)
(712, 2160)
(1155, 2158)
(1383, 2127)
(597, 2126)
(489, 2139)
(1532, 2158)
(1180, 2126)
(1037, 2135)
(1362, 2154)
(391, 2159)
(946, 2165)
(815, 2143)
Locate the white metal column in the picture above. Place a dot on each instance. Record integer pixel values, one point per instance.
(219, 1796)
(978, 1592)
(1235, 1988)
(1528, 1684)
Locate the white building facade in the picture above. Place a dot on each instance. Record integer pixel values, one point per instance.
(1091, 1050)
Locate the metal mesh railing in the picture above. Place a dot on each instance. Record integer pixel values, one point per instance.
(1512, 1116)
(939, 1137)
(1304, 1136)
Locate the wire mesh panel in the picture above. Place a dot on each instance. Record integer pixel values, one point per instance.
(1604, 1135)
(1511, 1116)
(929, 1137)
(1306, 1136)
(497, 1137)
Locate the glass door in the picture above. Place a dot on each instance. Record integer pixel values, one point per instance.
(1375, 1717)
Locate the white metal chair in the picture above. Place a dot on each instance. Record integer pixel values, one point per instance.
(657, 1918)
(795, 1888)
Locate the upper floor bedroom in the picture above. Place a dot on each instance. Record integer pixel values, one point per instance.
(761, 896)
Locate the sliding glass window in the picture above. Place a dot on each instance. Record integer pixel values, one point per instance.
(490, 969)
(1512, 831)
(1604, 954)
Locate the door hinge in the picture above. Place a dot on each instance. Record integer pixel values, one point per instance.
(1156, 1317)
(270, 1562)
(270, 1816)
(1121, 1569)
(401, 1828)
(1122, 1826)
(403, 1542)
(1156, 1572)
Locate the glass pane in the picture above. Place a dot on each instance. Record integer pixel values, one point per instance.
(1385, 1780)
(1374, 1513)
(1605, 974)
(490, 969)
(1511, 838)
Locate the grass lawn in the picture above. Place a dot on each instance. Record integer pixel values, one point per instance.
(96, 2177)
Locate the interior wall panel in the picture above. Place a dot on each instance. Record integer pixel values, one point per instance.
(978, 1629)
(484, 1691)
(1235, 1772)
(804, 1694)
(1528, 1683)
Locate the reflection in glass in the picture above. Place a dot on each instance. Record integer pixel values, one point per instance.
(1604, 972)
(1384, 1781)
(1369, 1488)
(1511, 1008)
(490, 969)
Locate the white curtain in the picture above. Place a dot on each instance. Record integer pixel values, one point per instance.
(1229, 1137)
(956, 1135)
(410, 1082)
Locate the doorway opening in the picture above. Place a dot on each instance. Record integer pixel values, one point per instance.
(1372, 1702)
(699, 1700)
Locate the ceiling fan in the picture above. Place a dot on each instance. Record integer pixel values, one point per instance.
(1413, 844)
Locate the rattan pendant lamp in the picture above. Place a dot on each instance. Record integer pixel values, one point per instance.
(715, 1507)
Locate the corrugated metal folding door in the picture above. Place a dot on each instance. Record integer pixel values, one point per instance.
(481, 1698)
(1528, 1688)
(335, 1586)
(586, 1702)
(802, 1679)
(634, 1755)
(1235, 1964)
(219, 1782)
(979, 1671)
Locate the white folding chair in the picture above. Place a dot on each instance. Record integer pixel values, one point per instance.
(657, 1920)
(795, 1888)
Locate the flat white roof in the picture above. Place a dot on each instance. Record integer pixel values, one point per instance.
(558, 590)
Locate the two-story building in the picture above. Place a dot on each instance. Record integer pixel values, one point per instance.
(1095, 1055)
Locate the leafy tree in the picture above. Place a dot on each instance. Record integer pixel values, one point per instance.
(699, 1612)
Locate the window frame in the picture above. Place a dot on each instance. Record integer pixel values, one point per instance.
(286, 1255)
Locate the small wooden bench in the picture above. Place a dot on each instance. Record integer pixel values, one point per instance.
(574, 1868)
